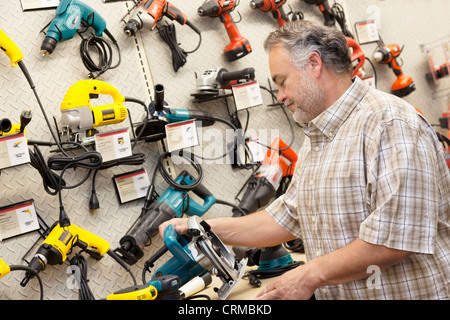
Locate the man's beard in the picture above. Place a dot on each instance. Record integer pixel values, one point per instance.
(309, 100)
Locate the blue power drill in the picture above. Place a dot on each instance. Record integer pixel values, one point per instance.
(171, 204)
(68, 17)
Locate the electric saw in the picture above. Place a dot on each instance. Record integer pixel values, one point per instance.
(79, 117)
(204, 253)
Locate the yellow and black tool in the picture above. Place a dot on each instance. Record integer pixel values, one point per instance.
(7, 127)
(4, 268)
(10, 48)
(59, 243)
(138, 292)
(80, 118)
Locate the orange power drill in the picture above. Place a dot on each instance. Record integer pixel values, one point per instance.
(274, 6)
(238, 46)
(388, 54)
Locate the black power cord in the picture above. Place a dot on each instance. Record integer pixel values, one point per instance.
(27, 269)
(102, 49)
(169, 36)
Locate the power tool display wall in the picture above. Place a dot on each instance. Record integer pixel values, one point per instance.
(146, 61)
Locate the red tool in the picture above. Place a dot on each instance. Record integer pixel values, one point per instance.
(324, 7)
(273, 6)
(238, 46)
(388, 54)
(149, 12)
(266, 182)
(358, 58)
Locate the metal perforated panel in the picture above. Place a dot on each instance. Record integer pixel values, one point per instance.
(146, 61)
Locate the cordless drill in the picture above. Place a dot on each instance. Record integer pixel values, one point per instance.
(273, 6)
(324, 8)
(59, 243)
(68, 17)
(238, 46)
(388, 54)
(171, 204)
(261, 189)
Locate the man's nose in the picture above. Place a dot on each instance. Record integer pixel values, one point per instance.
(281, 96)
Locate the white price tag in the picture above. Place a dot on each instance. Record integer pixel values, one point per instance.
(181, 135)
(256, 150)
(113, 145)
(247, 95)
(13, 150)
(18, 219)
(39, 4)
(132, 185)
(367, 31)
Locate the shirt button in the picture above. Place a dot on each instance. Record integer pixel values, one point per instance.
(324, 290)
(311, 182)
(318, 253)
(313, 219)
(317, 149)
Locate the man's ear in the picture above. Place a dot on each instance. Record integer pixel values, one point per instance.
(315, 62)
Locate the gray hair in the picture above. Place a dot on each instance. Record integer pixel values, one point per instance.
(303, 37)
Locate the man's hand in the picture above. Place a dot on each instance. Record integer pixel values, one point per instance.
(180, 225)
(292, 285)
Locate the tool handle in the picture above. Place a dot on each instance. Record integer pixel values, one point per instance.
(92, 18)
(327, 16)
(137, 292)
(173, 13)
(233, 32)
(80, 93)
(89, 240)
(10, 49)
(194, 208)
(288, 153)
(280, 16)
(224, 77)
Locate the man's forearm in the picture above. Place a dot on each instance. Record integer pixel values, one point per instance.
(351, 262)
(254, 230)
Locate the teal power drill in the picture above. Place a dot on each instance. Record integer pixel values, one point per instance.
(171, 204)
(68, 17)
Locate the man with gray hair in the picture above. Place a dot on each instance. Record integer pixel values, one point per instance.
(371, 190)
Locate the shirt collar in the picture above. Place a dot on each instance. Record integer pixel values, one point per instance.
(329, 121)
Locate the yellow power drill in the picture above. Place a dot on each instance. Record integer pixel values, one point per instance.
(60, 241)
(79, 117)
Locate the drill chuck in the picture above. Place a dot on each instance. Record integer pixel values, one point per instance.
(132, 27)
(255, 4)
(209, 8)
(48, 45)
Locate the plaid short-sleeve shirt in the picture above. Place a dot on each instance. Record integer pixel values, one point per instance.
(372, 168)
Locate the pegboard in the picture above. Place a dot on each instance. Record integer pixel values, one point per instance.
(146, 61)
